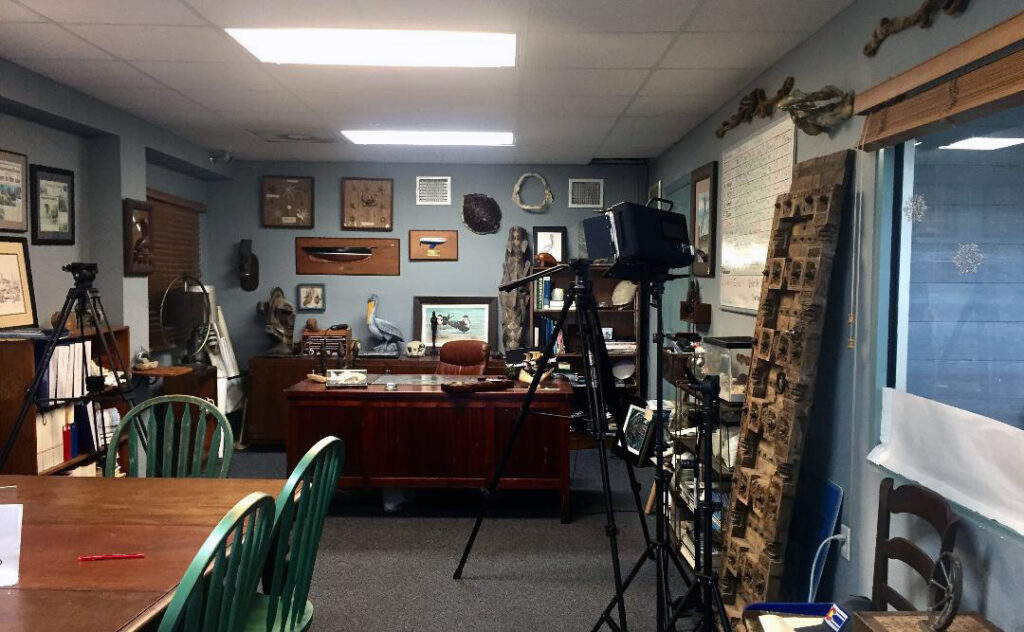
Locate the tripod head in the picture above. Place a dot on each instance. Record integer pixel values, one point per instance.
(83, 273)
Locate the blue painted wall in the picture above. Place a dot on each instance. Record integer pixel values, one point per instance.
(844, 426)
(234, 215)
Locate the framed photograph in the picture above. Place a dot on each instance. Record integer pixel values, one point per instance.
(704, 218)
(311, 297)
(53, 205)
(458, 318)
(553, 240)
(433, 245)
(17, 300)
(13, 188)
(367, 204)
(138, 237)
(286, 202)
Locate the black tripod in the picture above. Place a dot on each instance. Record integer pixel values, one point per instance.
(82, 299)
(599, 383)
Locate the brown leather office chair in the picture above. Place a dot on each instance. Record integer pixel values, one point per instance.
(463, 357)
(921, 502)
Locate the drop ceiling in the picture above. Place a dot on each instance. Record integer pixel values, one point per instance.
(594, 78)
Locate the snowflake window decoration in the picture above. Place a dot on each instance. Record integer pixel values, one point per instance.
(915, 208)
(968, 258)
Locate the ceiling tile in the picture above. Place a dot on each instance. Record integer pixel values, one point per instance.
(582, 82)
(163, 43)
(684, 104)
(141, 98)
(91, 74)
(555, 130)
(115, 11)
(719, 50)
(634, 146)
(247, 100)
(594, 50)
(698, 81)
(765, 15)
(470, 112)
(571, 105)
(464, 15)
(561, 155)
(668, 126)
(32, 40)
(610, 15)
(183, 117)
(192, 75)
(10, 12)
(409, 81)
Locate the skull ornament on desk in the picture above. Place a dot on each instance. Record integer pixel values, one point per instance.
(415, 349)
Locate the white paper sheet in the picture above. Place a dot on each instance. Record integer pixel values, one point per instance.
(969, 459)
(10, 543)
(754, 172)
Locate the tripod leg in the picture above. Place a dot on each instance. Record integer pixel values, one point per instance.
(524, 410)
(41, 367)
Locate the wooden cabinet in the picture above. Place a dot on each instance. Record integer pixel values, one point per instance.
(18, 363)
(269, 376)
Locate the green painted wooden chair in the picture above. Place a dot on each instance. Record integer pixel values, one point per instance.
(301, 509)
(176, 446)
(218, 587)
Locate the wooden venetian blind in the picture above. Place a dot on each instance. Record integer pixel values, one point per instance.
(176, 252)
(976, 78)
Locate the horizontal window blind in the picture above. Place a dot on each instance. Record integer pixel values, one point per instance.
(176, 252)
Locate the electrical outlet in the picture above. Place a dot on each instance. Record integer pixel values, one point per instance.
(845, 550)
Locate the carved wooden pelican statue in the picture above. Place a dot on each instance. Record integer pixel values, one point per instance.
(391, 337)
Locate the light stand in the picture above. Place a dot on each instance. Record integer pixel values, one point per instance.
(81, 299)
(599, 383)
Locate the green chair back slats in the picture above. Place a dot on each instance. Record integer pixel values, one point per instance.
(217, 590)
(174, 447)
(299, 522)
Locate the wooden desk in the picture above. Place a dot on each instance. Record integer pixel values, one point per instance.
(418, 436)
(270, 375)
(167, 519)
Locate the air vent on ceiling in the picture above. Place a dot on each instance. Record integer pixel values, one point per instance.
(295, 137)
(586, 193)
(433, 190)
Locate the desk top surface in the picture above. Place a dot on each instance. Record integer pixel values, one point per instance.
(64, 517)
(406, 388)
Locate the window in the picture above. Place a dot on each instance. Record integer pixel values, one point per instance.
(962, 268)
(176, 252)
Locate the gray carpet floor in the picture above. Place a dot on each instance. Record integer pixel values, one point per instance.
(393, 572)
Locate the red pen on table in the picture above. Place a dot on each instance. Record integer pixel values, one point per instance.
(110, 556)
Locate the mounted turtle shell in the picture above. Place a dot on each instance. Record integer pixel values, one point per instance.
(481, 213)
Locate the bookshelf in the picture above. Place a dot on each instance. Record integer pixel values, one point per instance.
(17, 357)
(628, 324)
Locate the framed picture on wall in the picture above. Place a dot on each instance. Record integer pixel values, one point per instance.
(367, 204)
(433, 245)
(17, 300)
(286, 202)
(553, 240)
(138, 238)
(704, 218)
(458, 318)
(311, 297)
(13, 192)
(53, 205)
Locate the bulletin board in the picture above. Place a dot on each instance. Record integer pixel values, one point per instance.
(753, 173)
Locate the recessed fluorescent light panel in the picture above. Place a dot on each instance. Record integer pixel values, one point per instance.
(984, 143)
(405, 137)
(374, 47)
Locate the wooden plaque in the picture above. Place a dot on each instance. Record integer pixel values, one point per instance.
(433, 245)
(347, 256)
(367, 204)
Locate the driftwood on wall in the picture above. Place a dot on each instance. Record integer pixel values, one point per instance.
(787, 338)
(755, 104)
(515, 304)
(925, 16)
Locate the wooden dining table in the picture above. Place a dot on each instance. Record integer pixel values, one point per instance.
(165, 519)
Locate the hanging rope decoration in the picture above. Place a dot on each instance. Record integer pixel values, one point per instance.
(548, 198)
